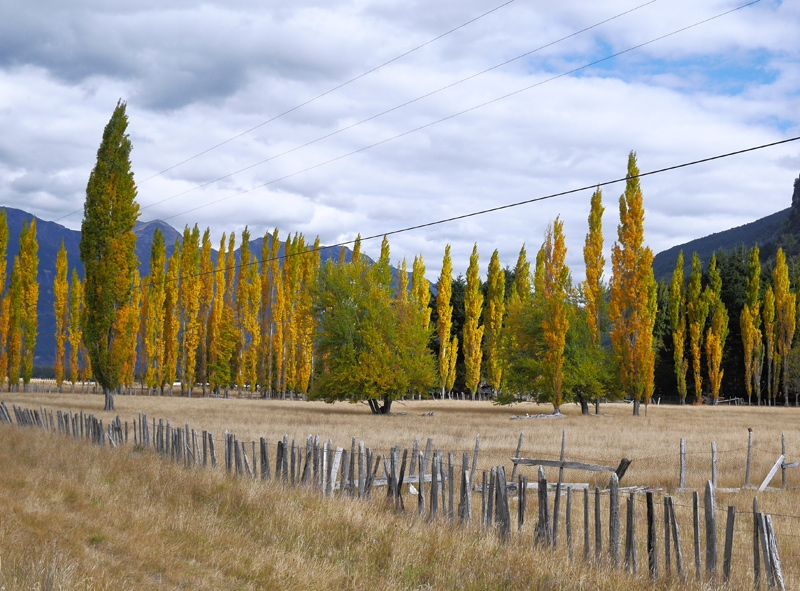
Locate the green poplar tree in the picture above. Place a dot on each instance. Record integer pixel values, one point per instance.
(677, 318)
(107, 252)
(493, 315)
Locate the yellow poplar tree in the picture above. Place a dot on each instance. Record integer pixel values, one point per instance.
(768, 316)
(4, 299)
(444, 322)
(276, 314)
(222, 336)
(189, 306)
(61, 310)
(677, 318)
(632, 309)
(750, 322)
(696, 316)
(130, 316)
(785, 313)
(242, 311)
(15, 326)
(169, 363)
(420, 292)
(493, 314)
(306, 319)
(555, 322)
(29, 285)
(75, 331)
(265, 355)
(717, 330)
(206, 298)
(595, 263)
(153, 312)
(473, 334)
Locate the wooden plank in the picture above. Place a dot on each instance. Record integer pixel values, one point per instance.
(516, 455)
(771, 474)
(560, 464)
(756, 561)
(676, 538)
(773, 554)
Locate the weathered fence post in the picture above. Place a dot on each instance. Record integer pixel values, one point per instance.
(676, 538)
(586, 524)
(726, 560)
(711, 531)
(749, 455)
(516, 455)
(683, 464)
(783, 464)
(543, 535)
(598, 525)
(613, 520)
(775, 560)
(557, 500)
(568, 521)
(630, 535)
(521, 501)
(667, 558)
(501, 505)
(714, 464)
(696, 526)
(756, 561)
(652, 556)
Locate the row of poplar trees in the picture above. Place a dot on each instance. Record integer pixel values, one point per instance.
(699, 324)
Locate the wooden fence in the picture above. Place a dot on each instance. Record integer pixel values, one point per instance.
(430, 475)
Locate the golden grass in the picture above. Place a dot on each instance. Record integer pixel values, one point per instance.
(77, 516)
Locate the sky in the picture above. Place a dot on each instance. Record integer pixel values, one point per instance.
(360, 117)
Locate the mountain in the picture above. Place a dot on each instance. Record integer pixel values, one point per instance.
(763, 232)
(49, 236)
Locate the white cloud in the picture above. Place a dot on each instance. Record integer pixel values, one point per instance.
(197, 75)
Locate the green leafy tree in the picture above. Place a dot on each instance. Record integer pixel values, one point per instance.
(371, 346)
(717, 331)
(696, 316)
(444, 323)
(107, 252)
(750, 323)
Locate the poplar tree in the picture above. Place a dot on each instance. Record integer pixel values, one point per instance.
(61, 310)
(265, 356)
(444, 320)
(276, 372)
(696, 315)
(768, 317)
(107, 252)
(189, 300)
(473, 334)
(677, 318)
(4, 298)
(153, 312)
(169, 360)
(75, 328)
(595, 263)
(29, 286)
(750, 323)
(223, 335)
(493, 314)
(717, 330)
(555, 322)
(206, 299)
(15, 326)
(306, 318)
(633, 306)
(785, 313)
(131, 316)
(420, 291)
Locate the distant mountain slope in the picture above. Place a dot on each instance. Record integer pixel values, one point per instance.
(762, 232)
(50, 235)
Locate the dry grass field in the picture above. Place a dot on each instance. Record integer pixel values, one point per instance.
(75, 516)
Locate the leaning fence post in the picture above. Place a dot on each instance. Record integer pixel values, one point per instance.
(711, 531)
(568, 521)
(676, 539)
(765, 551)
(696, 524)
(630, 535)
(773, 554)
(516, 455)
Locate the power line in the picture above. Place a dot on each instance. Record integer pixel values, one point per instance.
(459, 113)
(524, 202)
(334, 89)
(397, 107)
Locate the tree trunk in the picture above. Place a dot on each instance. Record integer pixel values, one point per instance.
(109, 402)
(556, 409)
(584, 405)
(636, 404)
(597, 406)
(387, 406)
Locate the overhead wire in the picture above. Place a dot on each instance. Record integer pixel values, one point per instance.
(462, 112)
(397, 107)
(517, 203)
(334, 89)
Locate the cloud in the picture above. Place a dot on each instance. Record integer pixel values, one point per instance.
(196, 75)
